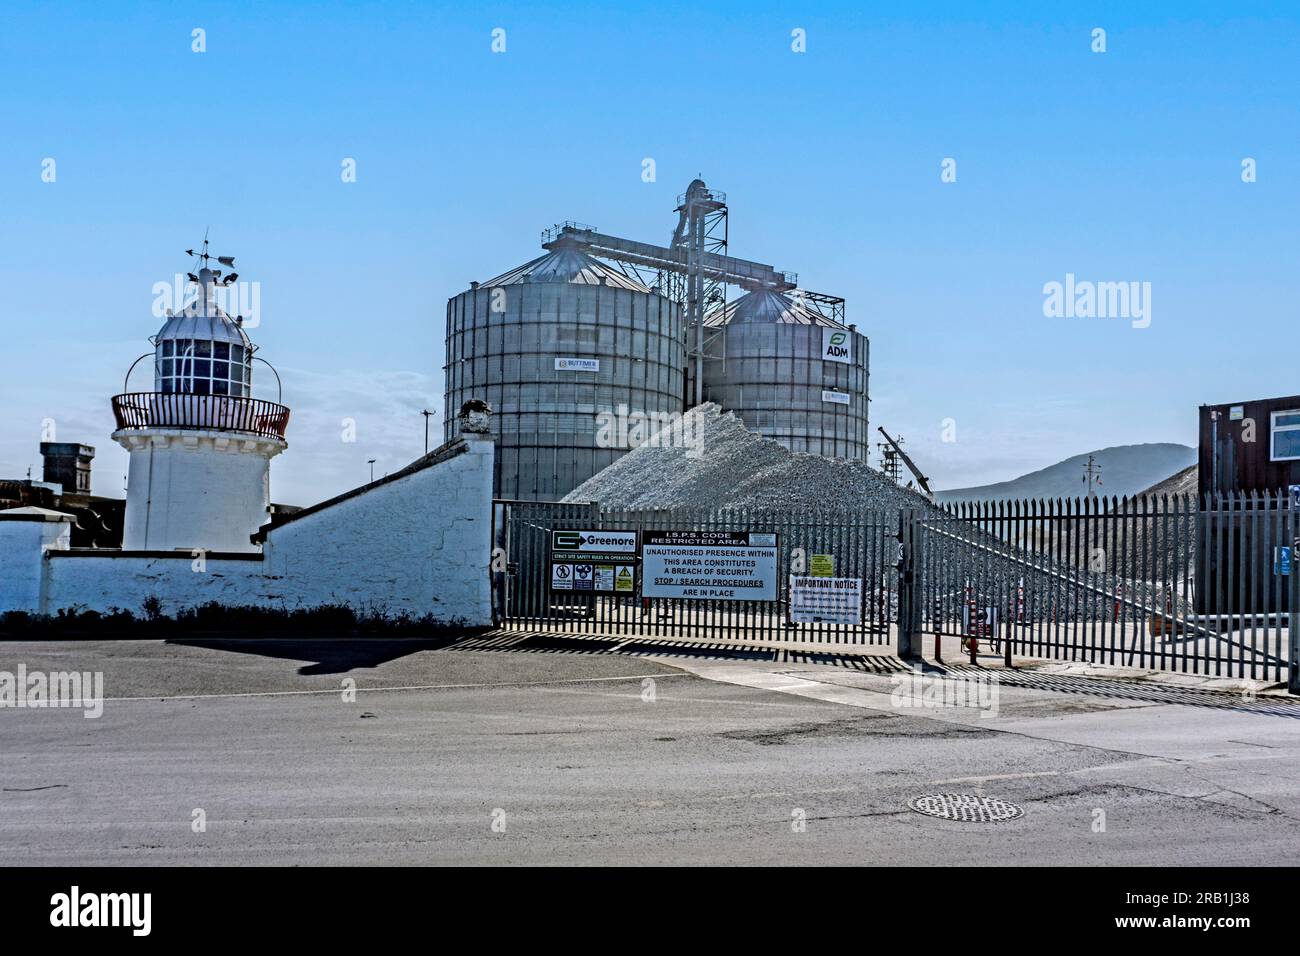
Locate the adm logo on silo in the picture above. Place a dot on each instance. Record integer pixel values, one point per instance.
(837, 346)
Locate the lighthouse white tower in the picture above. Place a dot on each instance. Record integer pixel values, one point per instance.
(200, 445)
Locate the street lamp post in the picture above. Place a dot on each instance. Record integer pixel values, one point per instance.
(426, 413)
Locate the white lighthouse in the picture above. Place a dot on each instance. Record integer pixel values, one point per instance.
(200, 445)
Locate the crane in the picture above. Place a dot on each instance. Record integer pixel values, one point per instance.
(922, 481)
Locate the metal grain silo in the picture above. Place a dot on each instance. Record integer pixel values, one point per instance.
(790, 373)
(557, 347)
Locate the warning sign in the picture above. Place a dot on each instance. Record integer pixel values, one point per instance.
(825, 600)
(821, 566)
(709, 565)
(979, 621)
(594, 561)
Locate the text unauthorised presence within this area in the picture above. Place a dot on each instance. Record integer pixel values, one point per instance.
(710, 565)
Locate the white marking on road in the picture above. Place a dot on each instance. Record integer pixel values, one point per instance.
(742, 702)
(368, 690)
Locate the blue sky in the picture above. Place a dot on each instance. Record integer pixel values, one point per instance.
(1119, 166)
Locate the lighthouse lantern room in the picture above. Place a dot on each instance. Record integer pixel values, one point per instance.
(200, 445)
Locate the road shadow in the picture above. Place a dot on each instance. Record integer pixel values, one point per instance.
(1142, 690)
(874, 662)
(331, 655)
(525, 642)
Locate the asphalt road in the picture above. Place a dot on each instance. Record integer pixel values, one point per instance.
(578, 759)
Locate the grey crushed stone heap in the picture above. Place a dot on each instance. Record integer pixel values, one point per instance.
(735, 468)
(732, 467)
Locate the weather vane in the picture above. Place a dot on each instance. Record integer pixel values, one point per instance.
(206, 259)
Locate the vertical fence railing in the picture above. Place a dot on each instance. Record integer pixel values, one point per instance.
(1154, 582)
(860, 545)
(1151, 582)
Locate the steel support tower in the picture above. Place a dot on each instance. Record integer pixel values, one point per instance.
(694, 269)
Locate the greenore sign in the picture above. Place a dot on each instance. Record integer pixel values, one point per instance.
(593, 561)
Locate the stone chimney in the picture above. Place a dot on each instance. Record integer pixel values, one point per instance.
(68, 464)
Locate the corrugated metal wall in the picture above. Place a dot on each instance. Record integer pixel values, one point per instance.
(774, 378)
(545, 419)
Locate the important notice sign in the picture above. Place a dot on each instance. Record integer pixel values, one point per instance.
(709, 565)
(825, 600)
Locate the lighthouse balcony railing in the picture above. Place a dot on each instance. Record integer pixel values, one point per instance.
(224, 413)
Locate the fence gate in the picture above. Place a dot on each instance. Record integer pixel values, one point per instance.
(844, 569)
(1154, 583)
(1165, 584)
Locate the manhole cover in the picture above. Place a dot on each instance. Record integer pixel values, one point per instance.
(966, 807)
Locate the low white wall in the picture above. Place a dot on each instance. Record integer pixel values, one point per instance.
(124, 582)
(398, 546)
(418, 543)
(22, 554)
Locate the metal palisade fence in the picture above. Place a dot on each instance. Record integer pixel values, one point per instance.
(863, 546)
(1167, 583)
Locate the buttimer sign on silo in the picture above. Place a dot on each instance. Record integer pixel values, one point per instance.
(551, 346)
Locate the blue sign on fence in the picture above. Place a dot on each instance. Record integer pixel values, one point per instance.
(1282, 561)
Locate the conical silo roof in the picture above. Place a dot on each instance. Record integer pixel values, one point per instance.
(567, 264)
(763, 306)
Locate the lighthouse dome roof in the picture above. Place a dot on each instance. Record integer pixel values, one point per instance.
(202, 318)
(190, 323)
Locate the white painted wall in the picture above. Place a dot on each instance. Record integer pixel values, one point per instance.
(98, 583)
(397, 546)
(192, 488)
(22, 558)
(420, 543)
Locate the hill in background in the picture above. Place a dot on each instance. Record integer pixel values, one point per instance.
(1125, 470)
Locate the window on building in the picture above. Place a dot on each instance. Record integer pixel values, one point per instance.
(203, 367)
(1285, 435)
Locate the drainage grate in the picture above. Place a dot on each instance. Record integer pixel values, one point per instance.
(966, 807)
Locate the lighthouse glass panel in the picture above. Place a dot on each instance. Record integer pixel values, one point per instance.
(203, 367)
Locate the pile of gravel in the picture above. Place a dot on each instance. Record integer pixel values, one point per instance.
(1179, 483)
(712, 461)
(728, 466)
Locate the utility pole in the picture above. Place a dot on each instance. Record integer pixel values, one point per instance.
(1092, 474)
(426, 413)
(1214, 452)
(371, 463)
